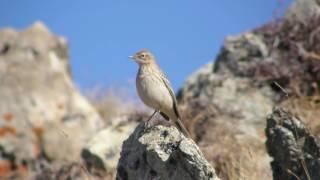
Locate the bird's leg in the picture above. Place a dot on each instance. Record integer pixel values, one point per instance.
(148, 121)
(164, 116)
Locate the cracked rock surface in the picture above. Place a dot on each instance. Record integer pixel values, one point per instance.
(162, 153)
(295, 152)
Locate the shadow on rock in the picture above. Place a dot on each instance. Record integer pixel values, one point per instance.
(295, 152)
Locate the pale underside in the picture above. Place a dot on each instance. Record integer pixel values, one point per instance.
(154, 91)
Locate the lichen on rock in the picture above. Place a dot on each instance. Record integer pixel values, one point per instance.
(162, 153)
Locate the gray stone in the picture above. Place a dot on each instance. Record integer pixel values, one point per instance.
(240, 53)
(162, 153)
(235, 98)
(295, 151)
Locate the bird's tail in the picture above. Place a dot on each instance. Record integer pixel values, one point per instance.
(182, 128)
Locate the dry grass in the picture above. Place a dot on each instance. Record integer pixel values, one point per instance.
(72, 171)
(114, 102)
(307, 109)
(108, 105)
(233, 155)
(235, 158)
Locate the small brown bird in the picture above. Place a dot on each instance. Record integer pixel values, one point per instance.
(155, 90)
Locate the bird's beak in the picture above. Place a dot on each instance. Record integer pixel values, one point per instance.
(131, 57)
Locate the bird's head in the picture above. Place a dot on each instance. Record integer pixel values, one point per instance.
(143, 57)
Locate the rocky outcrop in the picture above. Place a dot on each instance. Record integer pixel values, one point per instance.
(42, 114)
(226, 86)
(229, 107)
(162, 153)
(295, 152)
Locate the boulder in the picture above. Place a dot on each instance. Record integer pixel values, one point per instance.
(225, 85)
(240, 53)
(295, 151)
(162, 152)
(42, 113)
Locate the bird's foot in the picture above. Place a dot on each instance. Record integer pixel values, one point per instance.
(148, 123)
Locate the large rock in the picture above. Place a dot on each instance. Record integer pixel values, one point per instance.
(295, 151)
(42, 114)
(162, 153)
(230, 108)
(225, 84)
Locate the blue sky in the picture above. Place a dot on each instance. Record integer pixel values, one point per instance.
(184, 35)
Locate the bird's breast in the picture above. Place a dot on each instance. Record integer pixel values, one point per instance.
(153, 91)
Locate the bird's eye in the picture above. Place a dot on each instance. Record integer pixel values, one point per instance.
(142, 55)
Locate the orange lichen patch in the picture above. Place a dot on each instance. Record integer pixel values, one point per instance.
(38, 130)
(5, 168)
(8, 117)
(7, 130)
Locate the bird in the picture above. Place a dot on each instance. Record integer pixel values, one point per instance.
(154, 89)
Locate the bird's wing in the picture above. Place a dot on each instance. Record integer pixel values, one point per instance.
(178, 122)
(168, 86)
